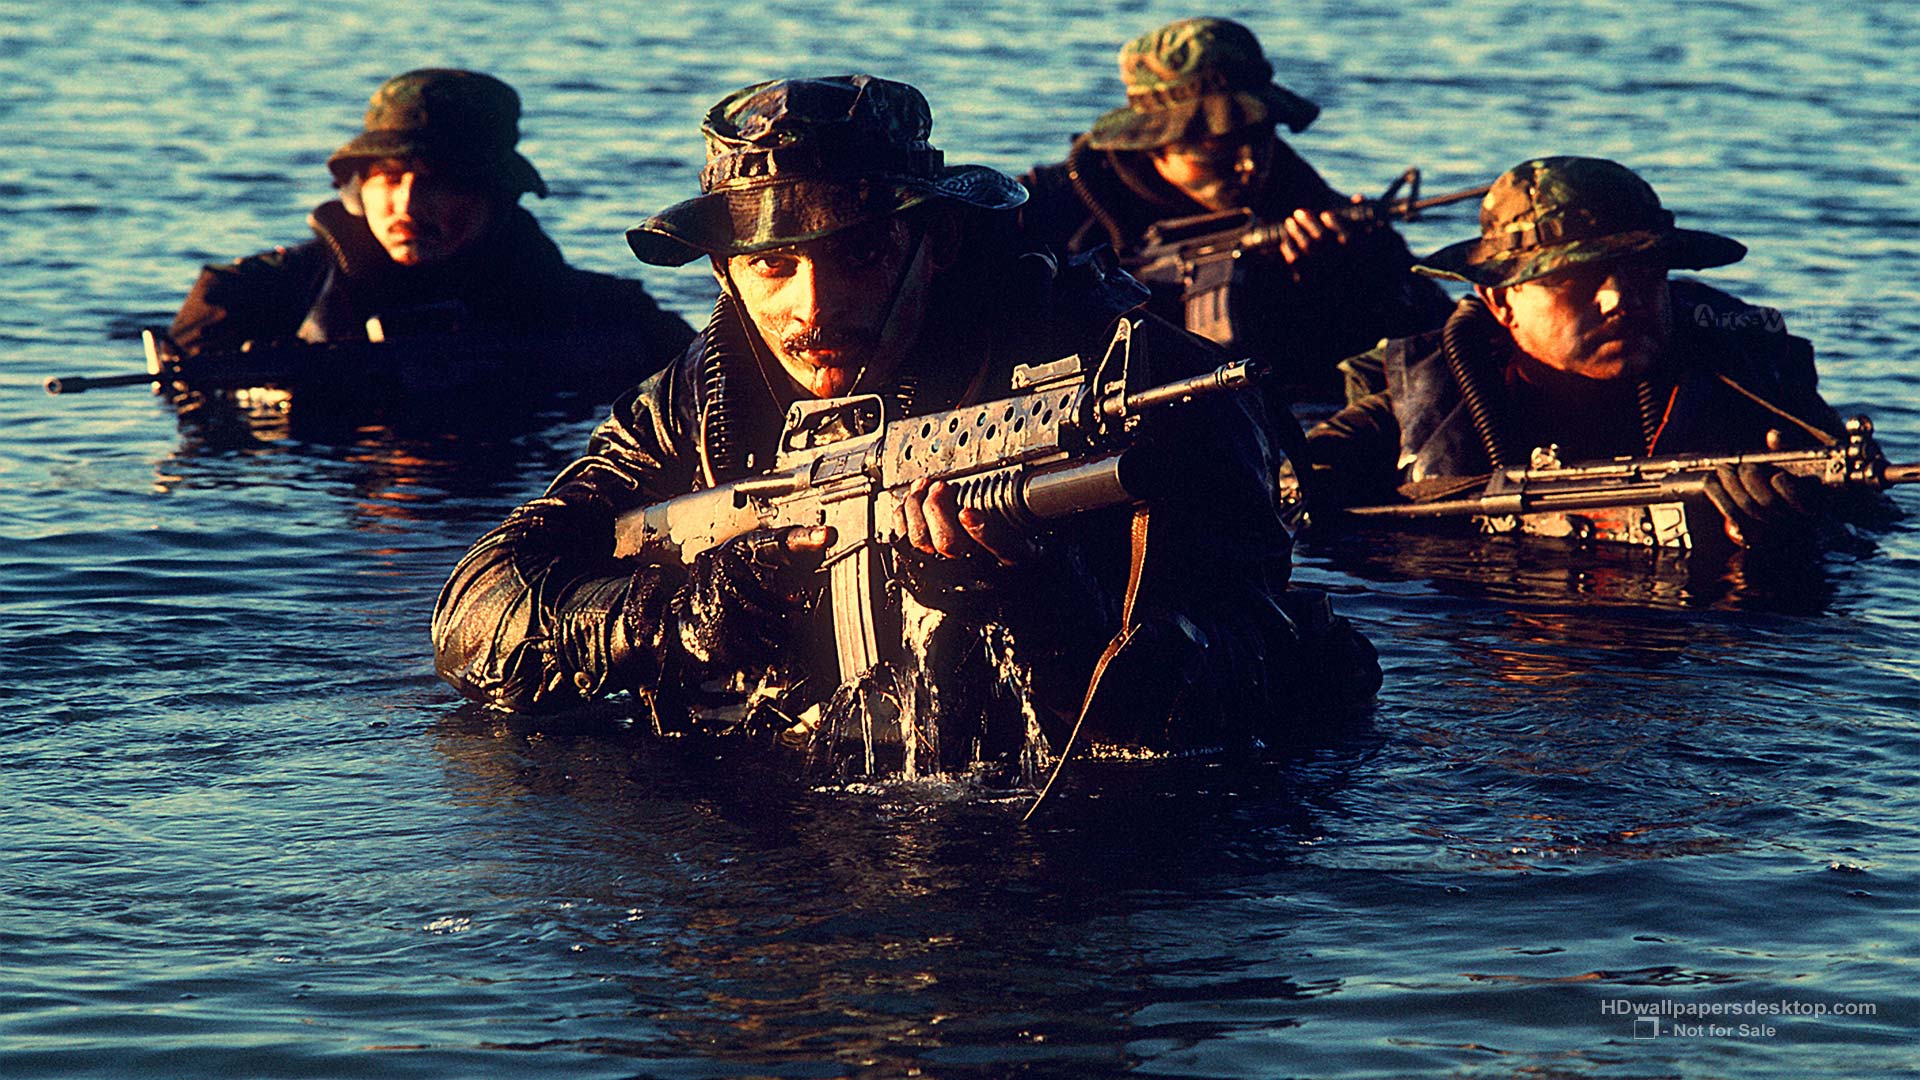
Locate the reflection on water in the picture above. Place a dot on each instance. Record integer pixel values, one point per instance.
(389, 479)
(883, 929)
(1544, 570)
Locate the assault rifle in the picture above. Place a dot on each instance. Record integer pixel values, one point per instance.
(1061, 444)
(1201, 255)
(250, 365)
(1639, 500)
(387, 370)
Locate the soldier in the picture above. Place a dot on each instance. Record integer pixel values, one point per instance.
(427, 235)
(1199, 133)
(850, 258)
(1574, 336)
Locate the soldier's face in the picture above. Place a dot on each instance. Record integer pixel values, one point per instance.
(1602, 321)
(1221, 172)
(842, 307)
(421, 216)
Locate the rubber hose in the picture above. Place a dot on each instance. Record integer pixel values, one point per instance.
(1459, 360)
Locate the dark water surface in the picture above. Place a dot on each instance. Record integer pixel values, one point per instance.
(245, 832)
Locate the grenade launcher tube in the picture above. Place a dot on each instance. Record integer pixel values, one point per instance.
(1029, 498)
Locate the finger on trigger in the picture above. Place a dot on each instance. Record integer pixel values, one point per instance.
(806, 539)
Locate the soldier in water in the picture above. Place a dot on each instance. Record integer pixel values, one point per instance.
(1200, 133)
(852, 259)
(427, 237)
(1575, 337)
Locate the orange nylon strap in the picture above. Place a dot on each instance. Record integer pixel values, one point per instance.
(1136, 564)
(1666, 414)
(1822, 437)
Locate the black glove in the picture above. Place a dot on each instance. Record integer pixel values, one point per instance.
(743, 599)
(1341, 667)
(1764, 506)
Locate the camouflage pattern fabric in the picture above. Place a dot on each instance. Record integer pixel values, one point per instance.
(1192, 79)
(1550, 213)
(791, 161)
(463, 120)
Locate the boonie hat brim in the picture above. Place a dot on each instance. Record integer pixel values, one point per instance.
(1128, 128)
(510, 172)
(761, 216)
(1679, 249)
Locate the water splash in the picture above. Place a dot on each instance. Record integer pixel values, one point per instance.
(958, 699)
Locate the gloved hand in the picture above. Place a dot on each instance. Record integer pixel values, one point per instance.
(743, 598)
(1763, 505)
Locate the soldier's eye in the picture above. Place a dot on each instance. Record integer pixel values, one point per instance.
(388, 171)
(770, 265)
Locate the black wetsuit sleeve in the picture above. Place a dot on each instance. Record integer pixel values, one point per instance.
(1354, 454)
(539, 615)
(262, 297)
(1218, 572)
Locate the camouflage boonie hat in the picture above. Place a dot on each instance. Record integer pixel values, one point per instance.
(794, 160)
(1193, 79)
(460, 120)
(1551, 213)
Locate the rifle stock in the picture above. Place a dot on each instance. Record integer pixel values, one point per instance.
(1639, 500)
(1059, 446)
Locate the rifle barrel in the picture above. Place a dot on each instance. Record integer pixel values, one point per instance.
(1229, 376)
(1900, 474)
(1442, 508)
(1403, 209)
(79, 384)
(1450, 197)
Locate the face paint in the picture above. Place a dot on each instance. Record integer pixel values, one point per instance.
(1221, 172)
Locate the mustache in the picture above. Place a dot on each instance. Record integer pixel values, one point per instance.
(414, 227)
(1617, 326)
(824, 339)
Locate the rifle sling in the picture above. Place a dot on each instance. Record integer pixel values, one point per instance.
(1824, 438)
(1136, 564)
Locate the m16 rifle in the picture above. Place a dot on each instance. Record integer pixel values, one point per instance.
(1202, 255)
(1638, 500)
(1063, 443)
(388, 370)
(166, 365)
